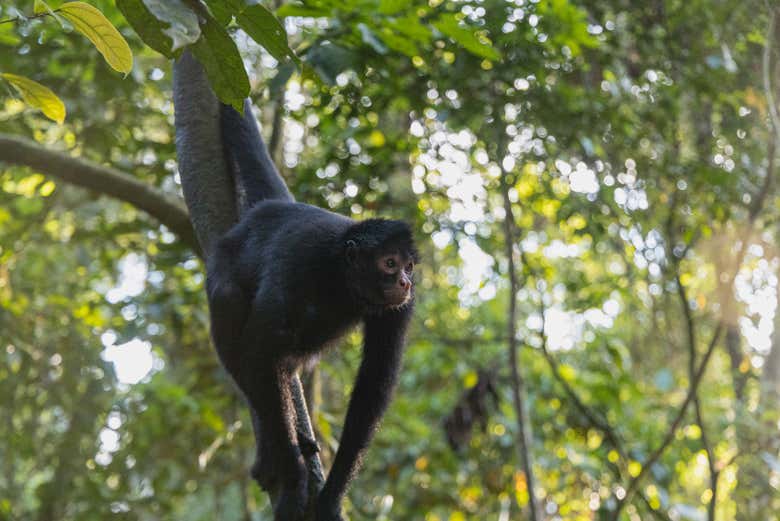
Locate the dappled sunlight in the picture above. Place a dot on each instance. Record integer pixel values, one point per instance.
(133, 360)
(593, 190)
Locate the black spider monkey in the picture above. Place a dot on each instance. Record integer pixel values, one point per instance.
(285, 282)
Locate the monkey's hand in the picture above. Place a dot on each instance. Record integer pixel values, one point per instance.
(328, 510)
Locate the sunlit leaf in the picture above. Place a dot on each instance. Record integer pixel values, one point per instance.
(449, 25)
(399, 43)
(568, 373)
(8, 35)
(38, 96)
(377, 138)
(90, 22)
(393, 6)
(40, 7)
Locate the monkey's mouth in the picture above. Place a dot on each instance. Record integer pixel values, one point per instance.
(396, 298)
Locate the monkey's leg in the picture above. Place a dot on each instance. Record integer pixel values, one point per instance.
(263, 467)
(266, 479)
(307, 444)
(280, 460)
(265, 378)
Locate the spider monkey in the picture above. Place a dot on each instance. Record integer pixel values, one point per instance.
(284, 283)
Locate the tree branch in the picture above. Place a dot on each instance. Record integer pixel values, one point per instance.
(658, 452)
(102, 180)
(691, 334)
(519, 396)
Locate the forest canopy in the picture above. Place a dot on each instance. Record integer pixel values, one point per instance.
(592, 187)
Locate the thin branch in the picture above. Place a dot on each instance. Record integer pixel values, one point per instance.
(667, 440)
(691, 333)
(594, 419)
(518, 387)
(25, 18)
(766, 69)
(101, 179)
(774, 122)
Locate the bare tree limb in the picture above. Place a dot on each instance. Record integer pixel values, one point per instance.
(102, 180)
(691, 334)
(518, 386)
(670, 432)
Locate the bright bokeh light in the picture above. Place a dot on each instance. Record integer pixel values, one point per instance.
(132, 278)
(132, 360)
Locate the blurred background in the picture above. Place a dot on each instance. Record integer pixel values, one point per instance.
(593, 189)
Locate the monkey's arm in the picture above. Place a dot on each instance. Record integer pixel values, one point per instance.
(376, 379)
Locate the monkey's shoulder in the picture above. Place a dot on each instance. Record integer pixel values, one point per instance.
(294, 215)
(291, 226)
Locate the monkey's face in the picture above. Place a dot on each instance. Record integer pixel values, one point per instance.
(395, 271)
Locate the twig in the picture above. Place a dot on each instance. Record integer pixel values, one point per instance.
(691, 330)
(774, 120)
(518, 386)
(25, 18)
(656, 454)
(595, 420)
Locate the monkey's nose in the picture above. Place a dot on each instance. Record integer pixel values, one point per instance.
(404, 283)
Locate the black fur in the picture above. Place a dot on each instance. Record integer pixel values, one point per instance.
(288, 280)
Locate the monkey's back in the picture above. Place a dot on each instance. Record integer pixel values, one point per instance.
(276, 241)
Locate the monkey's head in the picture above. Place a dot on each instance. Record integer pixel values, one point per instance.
(380, 257)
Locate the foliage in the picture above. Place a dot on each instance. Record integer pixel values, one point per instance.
(635, 144)
(90, 22)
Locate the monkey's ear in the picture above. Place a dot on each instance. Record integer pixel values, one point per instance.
(351, 251)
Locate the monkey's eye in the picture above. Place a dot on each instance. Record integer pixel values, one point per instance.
(409, 267)
(390, 263)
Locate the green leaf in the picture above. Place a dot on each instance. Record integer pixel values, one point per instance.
(300, 10)
(40, 7)
(399, 43)
(38, 96)
(147, 26)
(8, 35)
(393, 6)
(221, 11)
(265, 29)
(449, 25)
(183, 27)
(90, 22)
(218, 54)
(411, 27)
